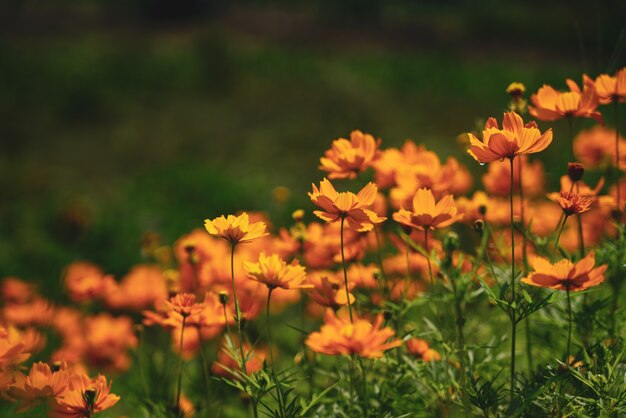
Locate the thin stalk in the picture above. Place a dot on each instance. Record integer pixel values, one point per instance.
(180, 365)
(571, 135)
(345, 270)
(529, 351)
(581, 240)
(569, 331)
(205, 369)
(558, 235)
(269, 343)
(512, 310)
(430, 268)
(617, 169)
(364, 377)
(379, 258)
(237, 311)
(407, 278)
(460, 339)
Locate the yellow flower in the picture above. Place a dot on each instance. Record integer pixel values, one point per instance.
(352, 207)
(235, 229)
(273, 272)
(347, 158)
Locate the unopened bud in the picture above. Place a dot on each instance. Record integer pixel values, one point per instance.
(55, 367)
(298, 215)
(89, 396)
(223, 297)
(451, 242)
(575, 171)
(387, 315)
(516, 89)
(479, 226)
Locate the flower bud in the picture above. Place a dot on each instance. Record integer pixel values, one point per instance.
(223, 297)
(298, 215)
(575, 171)
(387, 315)
(451, 242)
(479, 225)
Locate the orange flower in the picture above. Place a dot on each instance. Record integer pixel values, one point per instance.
(83, 394)
(425, 169)
(346, 159)
(141, 288)
(426, 214)
(610, 88)
(573, 203)
(497, 180)
(273, 272)
(421, 350)
(235, 229)
(338, 336)
(14, 290)
(106, 341)
(183, 304)
(595, 147)
(41, 383)
(86, 281)
(352, 207)
(329, 290)
(564, 274)
(38, 311)
(550, 104)
(12, 348)
(513, 139)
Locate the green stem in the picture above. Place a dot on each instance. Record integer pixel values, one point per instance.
(269, 343)
(512, 309)
(180, 365)
(380, 261)
(617, 168)
(205, 369)
(571, 135)
(345, 270)
(569, 331)
(558, 235)
(430, 268)
(237, 311)
(529, 356)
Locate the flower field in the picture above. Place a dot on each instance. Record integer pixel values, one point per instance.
(407, 287)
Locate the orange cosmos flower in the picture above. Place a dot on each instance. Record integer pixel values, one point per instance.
(513, 139)
(352, 207)
(41, 383)
(14, 290)
(183, 304)
(595, 147)
(273, 272)
(106, 341)
(564, 274)
(340, 337)
(329, 290)
(426, 214)
(497, 180)
(573, 203)
(86, 281)
(610, 88)
(550, 104)
(141, 288)
(82, 395)
(347, 158)
(12, 348)
(421, 350)
(235, 229)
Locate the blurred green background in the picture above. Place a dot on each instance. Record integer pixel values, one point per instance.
(126, 116)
